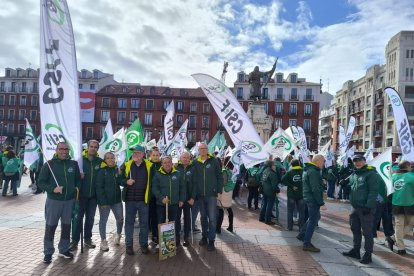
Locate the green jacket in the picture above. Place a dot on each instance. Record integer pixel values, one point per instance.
(90, 171)
(312, 184)
(330, 173)
(107, 185)
(187, 175)
(364, 187)
(208, 177)
(293, 178)
(11, 165)
(168, 184)
(229, 183)
(67, 175)
(271, 180)
(403, 184)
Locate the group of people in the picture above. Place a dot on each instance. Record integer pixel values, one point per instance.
(10, 171)
(146, 186)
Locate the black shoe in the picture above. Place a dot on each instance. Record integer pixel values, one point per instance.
(390, 243)
(210, 246)
(66, 255)
(353, 253)
(155, 240)
(366, 259)
(73, 246)
(255, 208)
(270, 223)
(130, 250)
(261, 220)
(47, 259)
(300, 237)
(90, 244)
(218, 230)
(202, 242)
(230, 229)
(402, 252)
(311, 248)
(144, 250)
(186, 243)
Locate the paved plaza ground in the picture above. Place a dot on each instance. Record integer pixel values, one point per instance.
(253, 249)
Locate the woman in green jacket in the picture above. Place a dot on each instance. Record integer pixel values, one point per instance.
(226, 196)
(109, 197)
(11, 165)
(270, 182)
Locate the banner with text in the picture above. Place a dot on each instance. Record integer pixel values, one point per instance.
(87, 105)
(31, 147)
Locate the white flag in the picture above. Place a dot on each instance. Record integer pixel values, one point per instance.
(402, 124)
(280, 144)
(151, 144)
(369, 154)
(383, 165)
(342, 146)
(303, 145)
(118, 146)
(234, 119)
(107, 137)
(325, 148)
(293, 132)
(236, 160)
(329, 157)
(31, 147)
(179, 139)
(169, 124)
(58, 81)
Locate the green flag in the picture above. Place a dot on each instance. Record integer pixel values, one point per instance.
(214, 142)
(134, 136)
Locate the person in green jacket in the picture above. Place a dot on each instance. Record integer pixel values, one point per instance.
(209, 181)
(270, 182)
(364, 182)
(226, 196)
(155, 159)
(313, 197)
(59, 178)
(402, 206)
(109, 197)
(11, 165)
(91, 164)
(168, 188)
(331, 176)
(293, 180)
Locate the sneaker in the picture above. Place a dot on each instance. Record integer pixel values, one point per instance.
(47, 259)
(66, 255)
(104, 245)
(73, 246)
(300, 237)
(366, 259)
(202, 242)
(402, 252)
(90, 244)
(310, 248)
(379, 241)
(130, 250)
(144, 250)
(210, 246)
(390, 243)
(117, 238)
(353, 253)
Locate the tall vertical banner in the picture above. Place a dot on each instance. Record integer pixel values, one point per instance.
(179, 141)
(169, 124)
(342, 146)
(58, 81)
(402, 124)
(87, 105)
(234, 119)
(383, 165)
(345, 142)
(369, 153)
(107, 136)
(31, 147)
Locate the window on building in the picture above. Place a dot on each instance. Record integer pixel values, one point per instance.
(35, 101)
(134, 103)
(22, 101)
(13, 87)
(165, 104)
(2, 87)
(294, 94)
(83, 74)
(92, 86)
(122, 103)
(35, 87)
(8, 73)
(292, 122)
(89, 132)
(240, 77)
(239, 93)
(121, 116)
(2, 101)
(367, 130)
(12, 100)
(11, 114)
(95, 74)
(179, 120)
(408, 54)
(80, 85)
(133, 115)
(22, 128)
(180, 106)
(22, 114)
(206, 108)
(33, 114)
(368, 115)
(148, 119)
(266, 108)
(149, 105)
(366, 145)
(265, 93)
(105, 115)
(293, 109)
(192, 121)
(24, 87)
(278, 109)
(204, 136)
(279, 78)
(278, 123)
(191, 136)
(389, 142)
(307, 125)
(106, 102)
(1, 115)
(206, 122)
(308, 109)
(10, 128)
(279, 93)
(293, 78)
(308, 94)
(193, 107)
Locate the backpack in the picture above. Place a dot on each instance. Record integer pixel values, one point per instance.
(252, 177)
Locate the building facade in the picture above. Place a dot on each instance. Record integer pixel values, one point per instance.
(326, 124)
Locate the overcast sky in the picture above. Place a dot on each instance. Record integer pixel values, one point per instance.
(160, 40)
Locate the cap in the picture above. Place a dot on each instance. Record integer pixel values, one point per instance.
(139, 148)
(358, 157)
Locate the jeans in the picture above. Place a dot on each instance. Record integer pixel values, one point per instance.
(87, 210)
(208, 211)
(267, 207)
(56, 210)
(13, 184)
(118, 212)
(331, 188)
(359, 221)
(187, 220)
(309, 227)
(195, 209)
(253, 195)
(172, 217)
(382, 212)
(131, 209)
(300, 206)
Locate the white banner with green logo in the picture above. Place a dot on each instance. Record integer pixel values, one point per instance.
(234, 119)
(31, 147)
(169, 124)
(107, 137)
(280, 144)
(369, 153)
(402, 124)
(383, 165)
(118, 145)
(58, 81)
(341, 137)
(179, 141)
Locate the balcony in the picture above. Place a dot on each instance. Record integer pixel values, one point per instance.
(278, 113)
(378, 133)
(390, 131)
(149, 107)
(308, 114)
(121, 121)
(379, 102)
(294, 98)
(390, 115)
(366, 134)
(279, 98)
(308, 98)
(378, 117)
(293, 113)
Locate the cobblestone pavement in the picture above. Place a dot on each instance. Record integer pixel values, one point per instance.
(253, 249)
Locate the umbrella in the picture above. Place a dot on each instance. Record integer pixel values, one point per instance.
(75, 219)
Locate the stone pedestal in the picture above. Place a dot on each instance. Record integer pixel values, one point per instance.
(261, 121)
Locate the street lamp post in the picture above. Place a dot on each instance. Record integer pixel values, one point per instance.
(1, 133)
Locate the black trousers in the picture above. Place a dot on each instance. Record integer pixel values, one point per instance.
(358, 222)
(253, 195)
(220, 217)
